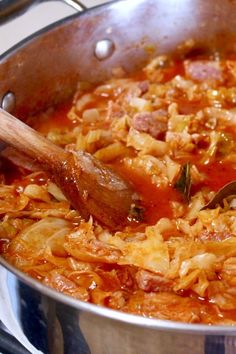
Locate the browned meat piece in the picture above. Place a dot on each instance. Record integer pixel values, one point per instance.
(144, 86)
(153, 123)
(201, 70)
(148, 281)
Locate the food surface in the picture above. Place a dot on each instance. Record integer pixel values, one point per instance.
(170, 131)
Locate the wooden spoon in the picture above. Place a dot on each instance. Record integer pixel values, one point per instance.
(91, 187)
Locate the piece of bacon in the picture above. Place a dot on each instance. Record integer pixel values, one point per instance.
(203, 70)
(153, 123)
(143, 86)
(148, 281)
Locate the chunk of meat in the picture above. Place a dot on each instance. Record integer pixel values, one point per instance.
(143, 86)
(148, 281)
(63, 284)
(153, 123)
(167, 306)
(201, 70)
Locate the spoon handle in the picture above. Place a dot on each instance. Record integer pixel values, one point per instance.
(19, 135)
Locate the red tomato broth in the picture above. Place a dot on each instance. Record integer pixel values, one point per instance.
(218, 174)
(155, 200)
(53, 118)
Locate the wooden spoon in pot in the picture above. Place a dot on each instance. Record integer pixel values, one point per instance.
(91, 187)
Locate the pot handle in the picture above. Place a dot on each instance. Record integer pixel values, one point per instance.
(10, 9)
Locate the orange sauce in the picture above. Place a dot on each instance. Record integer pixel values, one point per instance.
(218, 174)
(54, 118)
(155, 200)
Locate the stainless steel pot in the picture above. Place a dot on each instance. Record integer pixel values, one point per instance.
(44, 70)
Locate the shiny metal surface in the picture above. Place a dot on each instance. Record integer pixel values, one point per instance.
(9, 9)
(104, 49)
(78, 5)
(8, 102)
(50, 65)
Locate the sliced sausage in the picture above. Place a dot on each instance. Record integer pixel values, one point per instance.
(153, 123)
(201, 70)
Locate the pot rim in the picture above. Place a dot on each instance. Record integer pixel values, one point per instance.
(27, 40)
(151, 323)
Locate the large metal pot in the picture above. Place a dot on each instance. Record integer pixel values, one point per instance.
(44, 70)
